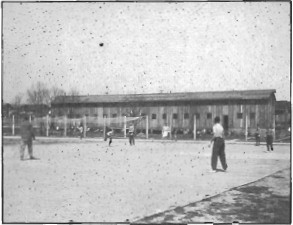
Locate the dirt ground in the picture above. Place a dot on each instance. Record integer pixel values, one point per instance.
(91, 182)
(265, 201)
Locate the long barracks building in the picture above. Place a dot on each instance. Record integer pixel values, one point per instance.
(236, 109)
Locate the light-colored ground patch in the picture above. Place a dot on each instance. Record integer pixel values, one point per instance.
(90, 182)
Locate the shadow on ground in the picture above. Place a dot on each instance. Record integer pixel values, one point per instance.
(264, 201)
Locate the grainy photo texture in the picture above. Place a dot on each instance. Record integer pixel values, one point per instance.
(146, 112)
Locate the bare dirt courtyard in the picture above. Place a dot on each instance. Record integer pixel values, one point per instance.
(87, 181)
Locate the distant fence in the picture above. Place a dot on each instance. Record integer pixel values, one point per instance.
(89, 126)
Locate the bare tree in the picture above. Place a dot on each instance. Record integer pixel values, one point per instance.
(73, 93)
(38, 94)
(17, 100)
(54, 92)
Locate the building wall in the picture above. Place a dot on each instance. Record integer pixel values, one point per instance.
(263, 113)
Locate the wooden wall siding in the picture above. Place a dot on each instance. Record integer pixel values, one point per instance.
(230, 116)
(154, 122)
(264, 114)
(247, 114)
(187, 122)
(260, 116)
(225, 110)
(257, 115)
(203, 110)
(175, 122)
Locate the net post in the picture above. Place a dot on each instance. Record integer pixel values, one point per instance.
(274, 127)
(13, 125)
(147, 127)
(171, 123)
(194, 127)
(47, 125)
(104, 126)
(65, 125)
(84, 126)
(124, 126)
(246, 131)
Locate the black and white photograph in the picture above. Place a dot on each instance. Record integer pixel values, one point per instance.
(146, 112)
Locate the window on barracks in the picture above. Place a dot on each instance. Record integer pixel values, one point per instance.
(175, 116)
(95, 115)
(209, 116)
(252, 116)
(164, 116)
(154, 116)
(186, 116)
(197, 115)
(239, 115)
(114, 115)
(105, 115)
(279, 112)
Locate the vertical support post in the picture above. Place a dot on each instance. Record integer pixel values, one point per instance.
(65, 125)
(241, 120)
(47, 125)
(13, 125)
(194, 127)
(84, 126)
(30, 118)
(125, 126)
(274, 126)
(147, 127)
(246, 128)
(104, 126)
(171, 124)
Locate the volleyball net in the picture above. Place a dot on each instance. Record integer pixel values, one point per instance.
(90, 126)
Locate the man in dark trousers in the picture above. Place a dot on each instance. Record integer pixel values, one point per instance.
(27, 137)
(269, 140)
(257, 137)
(219, 146)
(131, 134)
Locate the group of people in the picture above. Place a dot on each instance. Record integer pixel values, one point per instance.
(27, 137)
(269, 138)
(110, 132)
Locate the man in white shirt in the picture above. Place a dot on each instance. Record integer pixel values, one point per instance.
(219, 146)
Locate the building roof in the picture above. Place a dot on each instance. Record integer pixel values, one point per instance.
(283, 105)
(167, 97)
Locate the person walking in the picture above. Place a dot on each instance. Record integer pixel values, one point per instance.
(109, 135)
(27, 136)
(131, 134)
(269, 140)
(175, 134)
(218, 146)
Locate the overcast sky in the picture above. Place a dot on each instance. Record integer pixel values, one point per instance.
(138, 48)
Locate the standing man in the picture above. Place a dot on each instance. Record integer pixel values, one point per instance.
(27, 137)
(269, 140)
(131, 134)
(219, 146)
(80, 131)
